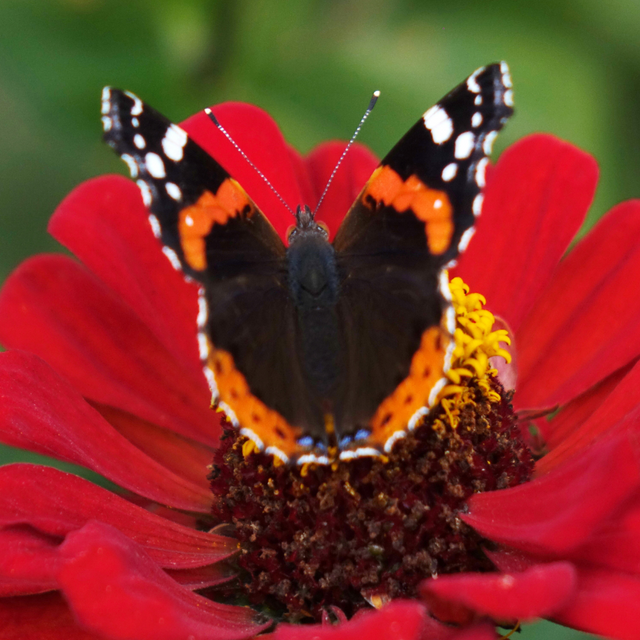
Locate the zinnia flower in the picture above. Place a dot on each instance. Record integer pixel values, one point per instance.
(103, 371)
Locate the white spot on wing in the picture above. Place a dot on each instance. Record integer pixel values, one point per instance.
(203, 311)
(436, 389)
(416, 417)
(449, 172)
(443, 285)
(173, 258)
(465, 239)
(464, 145)
(172, 150)
(274, 451)
(213, 385)
(231, 414)
(437, 204)
(132, 164)
(506, 76)
(245, 432)
(146, 192)
(107, 123)
(450, 323)
(311, 458)
(177, 135)
(135, 122)
(139, 141)
(508, 98)
(388, 445)
(472, 83)
(136, 110)
(476, 119)
(481, 169)
(203, 346)
(154, 165)
(106, 100)
(487, 145)
(477, 100)
(439, 123)
(477, 205)
(155, 226)
(362, 452)
(173, 142)
(173, 190)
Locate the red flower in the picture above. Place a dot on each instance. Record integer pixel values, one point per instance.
(104, 372)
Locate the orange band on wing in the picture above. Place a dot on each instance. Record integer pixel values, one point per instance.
(251, 413)
(429, 205)
(413, 392)
(195, 222)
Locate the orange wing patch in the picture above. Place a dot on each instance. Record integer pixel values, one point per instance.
(251, 413)
(429, 205)
(195, 222)
(413, 392)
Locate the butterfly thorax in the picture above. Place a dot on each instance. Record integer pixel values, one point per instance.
(314, 290)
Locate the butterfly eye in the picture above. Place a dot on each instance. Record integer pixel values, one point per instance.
(324, 227)
(290, 229)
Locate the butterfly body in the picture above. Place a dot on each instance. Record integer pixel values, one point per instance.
(322, 346)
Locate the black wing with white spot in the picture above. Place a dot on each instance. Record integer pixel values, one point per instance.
(447, 152)
(183, 187)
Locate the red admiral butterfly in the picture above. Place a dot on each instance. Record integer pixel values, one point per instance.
(320, 344)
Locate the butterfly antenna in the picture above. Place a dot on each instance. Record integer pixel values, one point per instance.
(244, 155)
(372, 103)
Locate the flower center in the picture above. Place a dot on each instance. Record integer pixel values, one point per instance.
(359, 532)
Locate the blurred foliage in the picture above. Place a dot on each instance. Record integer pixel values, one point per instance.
(312, 64)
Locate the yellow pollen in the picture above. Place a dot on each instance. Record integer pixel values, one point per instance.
(249, 447)
(475, 343)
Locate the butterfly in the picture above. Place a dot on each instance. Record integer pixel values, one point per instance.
(317, 349)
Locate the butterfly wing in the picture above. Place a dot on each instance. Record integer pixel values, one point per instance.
(414, 216)
(211, 230)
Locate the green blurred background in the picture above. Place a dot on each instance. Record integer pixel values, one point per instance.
(313, 65)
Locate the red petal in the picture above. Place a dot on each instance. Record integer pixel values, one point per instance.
(535, 201)
(202, 577)
(356, 169)
(575, 413)
(53, 307)
(41, 412)
(618, 409)
(260, 139)
(105, 224)
(400, 620)
(299, 163)
(184, 457)
(606, 603)
(43, 617)
(584, 326)
(535, 593)
(616, 545)
(57, 503)
(28, 562)
(115, 589)
(555, 513)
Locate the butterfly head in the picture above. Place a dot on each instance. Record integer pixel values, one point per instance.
(306, 226)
